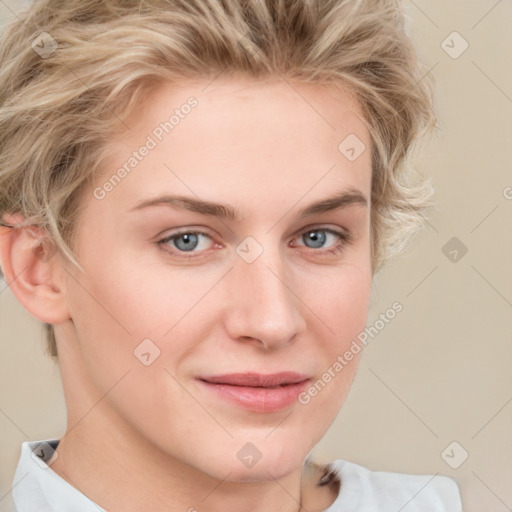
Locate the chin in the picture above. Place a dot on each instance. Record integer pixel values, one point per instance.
(271, 464)
(261, 472)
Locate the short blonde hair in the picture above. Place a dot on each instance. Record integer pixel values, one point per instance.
(58, 109)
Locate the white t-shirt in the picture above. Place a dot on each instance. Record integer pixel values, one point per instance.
(37, 488)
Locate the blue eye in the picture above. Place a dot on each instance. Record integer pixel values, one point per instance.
(185, 243)
(190, 241)
(317, 237)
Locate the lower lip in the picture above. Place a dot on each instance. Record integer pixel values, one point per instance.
(259, 399)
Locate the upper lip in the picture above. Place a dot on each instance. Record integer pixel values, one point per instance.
(257, 379)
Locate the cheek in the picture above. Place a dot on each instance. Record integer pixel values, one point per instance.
(339, 299)
(340, 309)
(122, 312)
(113, 311)
(120, 325)
(130, 299)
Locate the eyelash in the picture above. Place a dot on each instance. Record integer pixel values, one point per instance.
(344, 238)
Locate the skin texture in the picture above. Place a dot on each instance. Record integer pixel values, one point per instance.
(151, 437)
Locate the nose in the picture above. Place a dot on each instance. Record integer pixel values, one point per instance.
(264, 306)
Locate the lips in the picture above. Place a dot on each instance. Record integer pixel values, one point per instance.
(257, 392)
(257, 380)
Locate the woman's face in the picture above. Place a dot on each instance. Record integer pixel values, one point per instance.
(273, 290)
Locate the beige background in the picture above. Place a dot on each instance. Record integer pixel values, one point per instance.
(440, 371)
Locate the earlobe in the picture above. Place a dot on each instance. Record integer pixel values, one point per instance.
(31, 268)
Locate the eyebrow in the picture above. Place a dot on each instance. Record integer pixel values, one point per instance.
(225, 211)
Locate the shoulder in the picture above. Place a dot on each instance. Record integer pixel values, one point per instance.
(383, 491)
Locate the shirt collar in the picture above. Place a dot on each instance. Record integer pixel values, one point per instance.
(37, 487)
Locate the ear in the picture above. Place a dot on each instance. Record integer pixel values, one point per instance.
(32, 270)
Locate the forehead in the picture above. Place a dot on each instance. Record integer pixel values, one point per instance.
(270, 102)
(245, 135)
